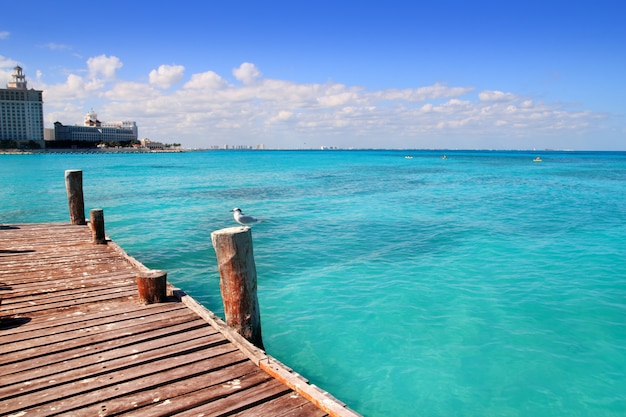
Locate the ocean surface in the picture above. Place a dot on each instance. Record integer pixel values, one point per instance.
(483, 284)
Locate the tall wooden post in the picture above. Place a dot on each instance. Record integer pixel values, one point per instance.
(96, 221)
(76, 202)
(238, 282)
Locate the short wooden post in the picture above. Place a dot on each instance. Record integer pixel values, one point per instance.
(238, 281)
(96, 221)
(152, 287)
(76, 202)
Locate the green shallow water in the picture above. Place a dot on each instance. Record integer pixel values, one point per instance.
(479, 285)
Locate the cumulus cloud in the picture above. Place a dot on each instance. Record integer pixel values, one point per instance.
(207, 109)
(73, 88)
(246, 73)
(206, 80)
(103, 67)
(338, 95)
(416, 95)
(6, 69)
(166, 75)
(7, 63)
(496, 96)
(130, 91)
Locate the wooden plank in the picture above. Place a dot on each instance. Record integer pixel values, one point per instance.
(33, 289)
(218, 394)
(287, 404)
(86, 335)
(88, 316)
(109, 361)
(62, 294)
(110, 334)
(42, 303)
(240, 399)
(96, 348)
(33, 272)
(94, 390)
(89, 312)
(164, 400)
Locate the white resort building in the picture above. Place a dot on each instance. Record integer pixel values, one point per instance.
(95, 131)
(21, 111)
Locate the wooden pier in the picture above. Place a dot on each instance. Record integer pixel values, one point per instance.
(76, 340)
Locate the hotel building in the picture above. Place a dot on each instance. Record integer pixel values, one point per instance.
(21, 111)
(95, 131)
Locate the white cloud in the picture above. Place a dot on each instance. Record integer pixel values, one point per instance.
(103, 67)
(207, 110)
(416, 95)
(246, 73)
(4, 34)
(6, 69)
(337, 99)
(497, 96)
(282, 116)
(57, 46)
(72, 88)
(166, 75)
(130, 91)
(205, 81)
(7, 63)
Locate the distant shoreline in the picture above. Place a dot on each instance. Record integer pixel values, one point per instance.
(88, 151)
(96, 151)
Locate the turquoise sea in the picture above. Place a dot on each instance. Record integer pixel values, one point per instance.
(483, 284)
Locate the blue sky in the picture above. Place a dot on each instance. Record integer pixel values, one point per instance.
(303, 74)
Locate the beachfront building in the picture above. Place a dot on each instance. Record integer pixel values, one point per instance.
(153, 146)
(93, 131)
(21, 114)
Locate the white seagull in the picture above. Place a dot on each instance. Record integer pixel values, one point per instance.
(244, 219)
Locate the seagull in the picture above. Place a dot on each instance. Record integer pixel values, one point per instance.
(244, 219)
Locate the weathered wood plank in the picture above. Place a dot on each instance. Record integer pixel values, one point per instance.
(86, 335)
(109, 361)
(218, 393)
(34, 308)
(89, 316)
(98, 347)
(115, 333)
(98, 388)
(166, 399)
(28, 289)
(288, 403)
(241, 399)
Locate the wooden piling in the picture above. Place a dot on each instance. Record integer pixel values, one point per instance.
(152, 286)
(238, 281)
(96, 221)
(76, 202)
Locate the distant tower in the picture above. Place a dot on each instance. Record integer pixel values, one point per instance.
(91, 119)
(19, 79)
(21, 111)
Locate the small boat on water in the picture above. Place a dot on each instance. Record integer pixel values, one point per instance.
(537, 159)
(408, 157)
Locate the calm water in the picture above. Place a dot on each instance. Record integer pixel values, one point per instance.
(479, 285)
